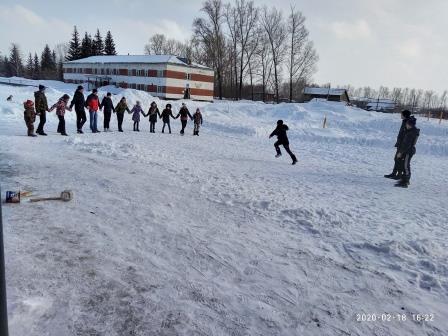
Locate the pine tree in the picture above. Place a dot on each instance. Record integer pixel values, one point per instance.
(36, 67)
(86, 46)
(30, 67)
(15, 64)
(74, 51)
(60, 70)
(53, 57)
(47, 63)
(98, 44)
(109, 45)
(3, 65)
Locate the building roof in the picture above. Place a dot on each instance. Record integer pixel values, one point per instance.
(324, 91)
(149, 59)
(381, 105)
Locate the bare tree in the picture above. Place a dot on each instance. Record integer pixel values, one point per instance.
(273, 23)
(231, 17)
(302, 55)
(247, 18)
(264, 57)
(155, 45)
(209, 32)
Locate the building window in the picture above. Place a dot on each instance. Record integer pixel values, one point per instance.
(159, 73)
(188, 76)
(160, 89)
(141, 73)
(114, 71)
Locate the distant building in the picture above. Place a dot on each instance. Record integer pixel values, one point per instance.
(381, 105)
(163, 76)
(338, 95)
(376, 104)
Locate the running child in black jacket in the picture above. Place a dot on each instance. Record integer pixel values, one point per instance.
(282, 139)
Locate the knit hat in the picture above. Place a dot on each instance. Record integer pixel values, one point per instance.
(28, 103)
(168, 105)
(41, 87)
(279, 122)
(94, 90)
(109, 94)
(411, 121)
(80, 87)
(406, 113)
(66, 97)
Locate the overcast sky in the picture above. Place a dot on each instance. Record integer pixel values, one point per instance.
(360, 42)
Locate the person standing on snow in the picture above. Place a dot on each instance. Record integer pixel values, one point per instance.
(167, 113)
(108, 107)
(30, 117)
(93, 104)
(120, 109)
(41, 104)
(136, 110)
(79, 102)
(197, 117)
(282, 139)
(184, 114)
(406, 150)
(153, 112)
(60, 107)
(397, 172)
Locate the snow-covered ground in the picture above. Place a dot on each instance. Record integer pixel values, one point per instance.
(212, 235)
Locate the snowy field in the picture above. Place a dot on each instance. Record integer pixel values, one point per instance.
(212, 235)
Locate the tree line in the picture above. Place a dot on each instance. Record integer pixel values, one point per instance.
(415, 100)
(49, 64)
(255, 51)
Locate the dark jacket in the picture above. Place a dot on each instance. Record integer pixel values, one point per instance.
(79, 101)
(197, 117)
(153, 113)
(184, 114)
(40, 102)
(401, 133)
(280, 132)
(122, 107)
(166, 114)
(410, 137)
(107, 104)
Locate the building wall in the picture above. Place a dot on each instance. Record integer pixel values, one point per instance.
(162, 80)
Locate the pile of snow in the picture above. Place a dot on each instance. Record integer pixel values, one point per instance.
(211, 235)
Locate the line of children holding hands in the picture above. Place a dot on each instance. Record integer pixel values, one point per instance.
(93, 105)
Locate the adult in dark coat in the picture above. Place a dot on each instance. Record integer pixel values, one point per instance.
(41, 105)
(79, 102)
(397, 172)
(167, 113)
(406, 150)
(108, 108)
(282, 139)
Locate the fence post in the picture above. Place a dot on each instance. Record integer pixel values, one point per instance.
(441, 117)
(325, 122)
(3, 306)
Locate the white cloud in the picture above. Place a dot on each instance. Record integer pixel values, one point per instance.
(410, 48)
(359, 29)
(29, 30)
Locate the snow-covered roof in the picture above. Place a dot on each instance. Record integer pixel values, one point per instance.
(150, 59)
(381, 105)
(324, 91)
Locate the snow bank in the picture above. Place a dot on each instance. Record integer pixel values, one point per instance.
(345, 124)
